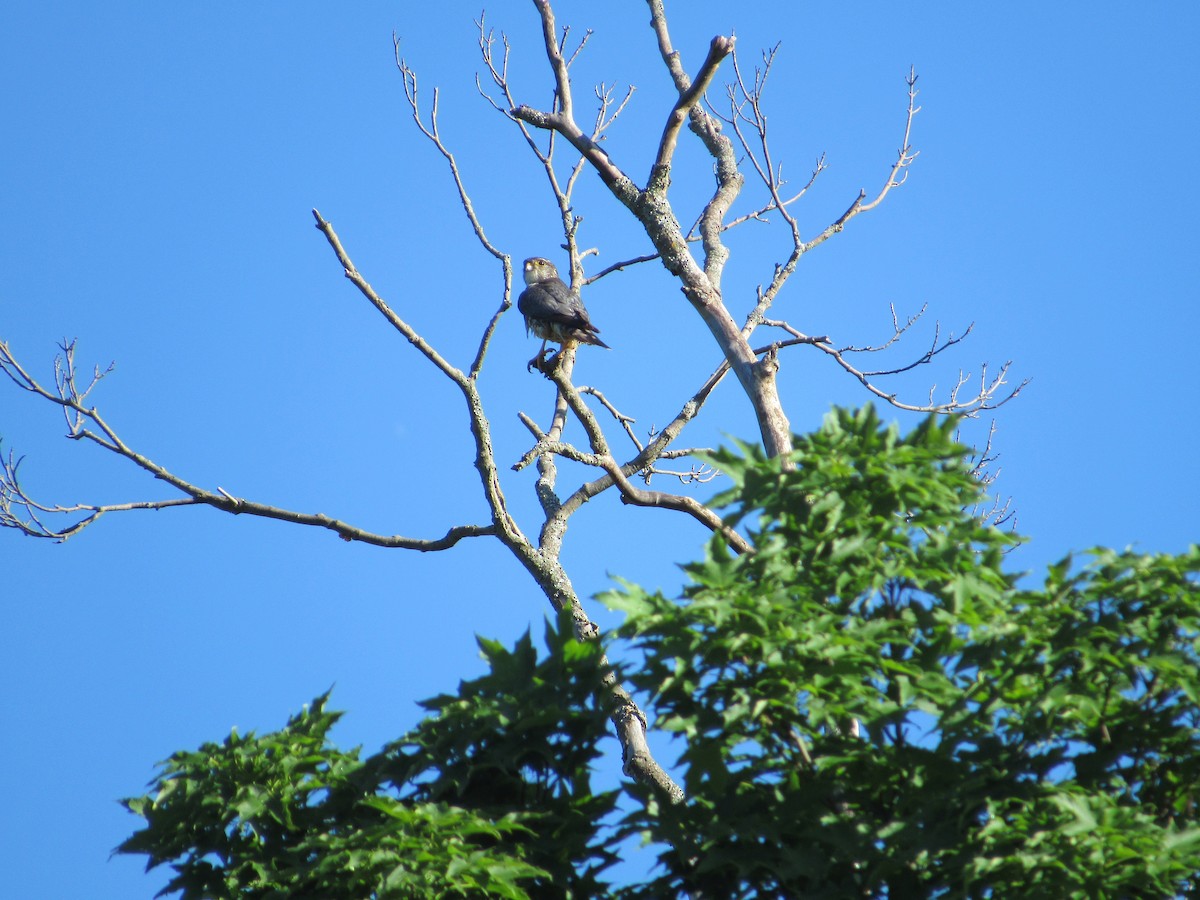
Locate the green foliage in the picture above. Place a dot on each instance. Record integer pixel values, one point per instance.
(868, 704)
(873, 708)
(487, 797)
(522, 739)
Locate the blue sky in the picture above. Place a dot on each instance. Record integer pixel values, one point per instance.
(160, 162)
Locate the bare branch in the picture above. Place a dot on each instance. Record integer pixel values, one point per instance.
(745, 101)
(653, 211)
(718, 49)
(1001, 511)
(925, 358)
(559, 448)
(759, 215)
(454, 374)
(18, 510)
(617, 267)
(432, 132)
(625, 421)
(561, 192)
(21, 513)
(896, 176)
(603, 118)
(500, 79)
(562, 119)
(578, 49)
(987, 397)
(697, 474)
(657, 447)
(601, 457)
(798, 337)
(658, 21)
(898, 331)
(680, 452)
(663, 500)
(729, 179)
(543, 563)
(985, 457)
(768, 173)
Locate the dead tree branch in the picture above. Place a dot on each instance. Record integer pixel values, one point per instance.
(749, 120)
(701, 285)
(617, 267)
(18, 510)
(989, 395)
(1000, 512)
(433, 133)
(629, 493)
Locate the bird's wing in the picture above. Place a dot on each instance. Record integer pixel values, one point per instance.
(553, 301)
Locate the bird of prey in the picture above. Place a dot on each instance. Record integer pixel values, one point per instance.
(553, 311)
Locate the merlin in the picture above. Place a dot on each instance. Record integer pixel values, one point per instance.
(553, 311)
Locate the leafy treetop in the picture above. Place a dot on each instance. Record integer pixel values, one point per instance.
(867, 704)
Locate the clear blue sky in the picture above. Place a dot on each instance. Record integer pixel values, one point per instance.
(160, 161)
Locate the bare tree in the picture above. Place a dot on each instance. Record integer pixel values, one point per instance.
(696, 257)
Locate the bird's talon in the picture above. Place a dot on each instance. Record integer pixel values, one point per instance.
(539, 362)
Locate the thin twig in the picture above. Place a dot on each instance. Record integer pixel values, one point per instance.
(433, 133)
(617, 267)
(625, 421)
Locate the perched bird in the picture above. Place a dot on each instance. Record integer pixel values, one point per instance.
(553, 311)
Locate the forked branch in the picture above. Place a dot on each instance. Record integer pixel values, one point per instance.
(989, 395)
(749, 120)
(602, 457)
(20, 511)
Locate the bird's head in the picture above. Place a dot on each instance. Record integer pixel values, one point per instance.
(539, 269)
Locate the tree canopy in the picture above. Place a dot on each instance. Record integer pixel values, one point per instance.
(867, 704)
